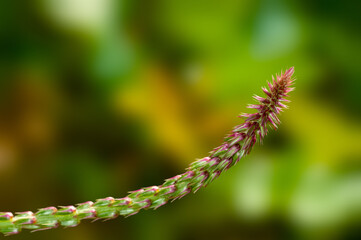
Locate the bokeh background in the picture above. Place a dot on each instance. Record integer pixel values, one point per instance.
(99, 97)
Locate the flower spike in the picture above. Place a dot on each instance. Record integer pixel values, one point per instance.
(199, 174)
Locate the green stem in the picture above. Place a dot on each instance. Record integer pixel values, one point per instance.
(199, 174)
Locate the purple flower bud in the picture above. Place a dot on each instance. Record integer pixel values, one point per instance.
(254, 106)
(188, 175)
(282, 105)
(228, 163)
(122, 201)
(174, 178)
(204, 176)
(67, 209)
(274, 125)
(232, 151)
(266, 92)
(186, 191)
(6, 216)
(109, 199)
(137, 191)
(162, 202)
(148, 203)
(90, 213)
(216, 174)
(289, 72)
(50, 226)
(258, 98)
(171, 189)
(46, 211)
(151, 190)
(25, 218)
(215, 161)
(87, 203)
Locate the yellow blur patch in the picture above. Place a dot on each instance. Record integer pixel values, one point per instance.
(157, 100)
(326, 134)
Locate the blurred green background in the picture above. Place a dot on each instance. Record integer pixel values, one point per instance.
(99, 97)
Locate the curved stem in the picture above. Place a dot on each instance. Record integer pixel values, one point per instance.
(199, 173)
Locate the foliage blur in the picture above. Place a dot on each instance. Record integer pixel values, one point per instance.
(99, 97)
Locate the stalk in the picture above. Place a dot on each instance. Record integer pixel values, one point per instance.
(200, 173)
